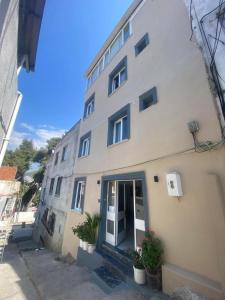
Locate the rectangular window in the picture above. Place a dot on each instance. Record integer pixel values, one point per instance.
(85, 144)
(56, 158)
(142, 44)
(51, 224)
(118, 76)
(126, 32)
(120, 130)
(58, 186)
(64, 153)
(116, 45)
(119, 126)
(45, 217)
(78, 194)
(51, 186)
(148, 99)
(89, 106)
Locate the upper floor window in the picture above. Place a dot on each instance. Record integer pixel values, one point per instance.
(51, 186)
(118, 76)
(113, 49)
(119, 126)
(58, 186)
(85, 143)
(89, 106)
(142, 44)
(64, 153)
(147, 99)
(56, 158)
(78, 194)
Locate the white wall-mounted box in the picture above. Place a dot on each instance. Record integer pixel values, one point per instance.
(174, 186)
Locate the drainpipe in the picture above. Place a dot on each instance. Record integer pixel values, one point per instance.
(10, 128)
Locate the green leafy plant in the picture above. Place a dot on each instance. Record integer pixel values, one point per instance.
(137, 260)
(152, 253)
(92, 226)
(80, 231)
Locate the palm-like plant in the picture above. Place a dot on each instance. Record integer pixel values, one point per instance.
(92, 226)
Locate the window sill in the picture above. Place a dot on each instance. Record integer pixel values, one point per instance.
(112, 93)
(119, 143)
(79, 212)
(81, 157)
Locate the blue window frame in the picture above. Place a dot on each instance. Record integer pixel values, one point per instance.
(148, 98)
(118, 76)
(85, 145)
(142, 44)
(119, 126)
(89, 106)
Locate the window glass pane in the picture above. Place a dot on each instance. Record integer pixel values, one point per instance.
(121, 188)
(139, 200)
(126, 32)
(140, 236)
(117, 132)
(110, 226)
(101, 66)
(122, 76)
(95, 74)
(125, 128)
(115, 83)
(111, 195)
(107, 58)
(116, 45)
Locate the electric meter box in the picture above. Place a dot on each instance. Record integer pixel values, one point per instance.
(174, 186)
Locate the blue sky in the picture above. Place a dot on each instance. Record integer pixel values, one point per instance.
(72, 32)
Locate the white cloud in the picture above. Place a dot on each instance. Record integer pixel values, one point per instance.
(38, 135)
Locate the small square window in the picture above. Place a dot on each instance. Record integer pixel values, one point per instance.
(142, 44)
(85, 144)
(119, 126)
(147, 99)
(78, 194)
(118, 76)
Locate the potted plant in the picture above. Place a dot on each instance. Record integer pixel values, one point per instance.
(85, 235)
(139, 269)
(92, 224)
(78, 231)
(152, 252)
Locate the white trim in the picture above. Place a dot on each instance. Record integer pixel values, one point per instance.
(81, 194)
(85, 149)
(121, 130)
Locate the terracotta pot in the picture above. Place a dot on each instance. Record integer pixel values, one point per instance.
(81, 243)
(85, 245)
(139, 275)
(91, 248)
(154, 281)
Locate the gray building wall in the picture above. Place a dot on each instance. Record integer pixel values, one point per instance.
(8, 63)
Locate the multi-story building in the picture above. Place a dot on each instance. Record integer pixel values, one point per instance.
(151, 152)
(20, 22)
(57, 189)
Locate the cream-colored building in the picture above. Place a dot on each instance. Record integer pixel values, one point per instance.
(151, 151)
(57, 189)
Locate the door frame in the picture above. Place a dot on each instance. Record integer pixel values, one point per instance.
(103, 200)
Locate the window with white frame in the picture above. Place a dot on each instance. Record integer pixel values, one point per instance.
(113, 49)
(78, 194)
(85, 143)
(120, 130)
(118, 76)
(58, 186)
(89, 106)
(119, 126)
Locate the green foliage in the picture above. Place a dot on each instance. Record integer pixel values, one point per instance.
(87, 231)
(137, 260)
(39, 175)
(92, 226)
(152, 252)
(20, 158)
(36, 198)
(41, 156)
(52, 143)
(28, 195)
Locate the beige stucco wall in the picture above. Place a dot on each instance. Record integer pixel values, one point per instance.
(192, 228)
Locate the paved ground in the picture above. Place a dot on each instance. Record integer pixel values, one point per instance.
(39, 275)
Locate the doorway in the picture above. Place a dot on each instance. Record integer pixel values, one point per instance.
(125, 214)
